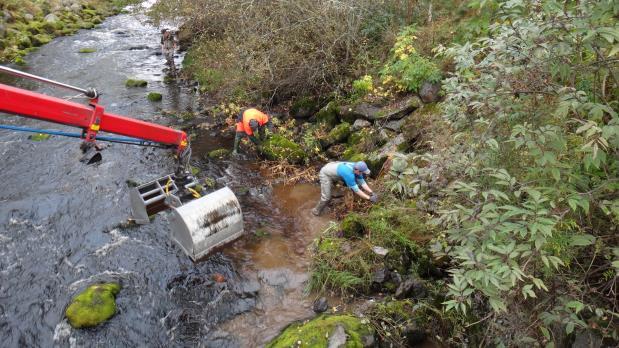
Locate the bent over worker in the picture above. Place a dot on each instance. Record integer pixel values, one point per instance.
(353, 175)
(248, 123)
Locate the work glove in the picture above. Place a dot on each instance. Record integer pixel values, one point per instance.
(374, 198)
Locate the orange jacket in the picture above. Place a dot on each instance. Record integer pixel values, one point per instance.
(251, 114)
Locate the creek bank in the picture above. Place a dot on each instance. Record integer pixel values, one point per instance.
(29, 24)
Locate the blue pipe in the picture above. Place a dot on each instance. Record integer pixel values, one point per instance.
(79, 135)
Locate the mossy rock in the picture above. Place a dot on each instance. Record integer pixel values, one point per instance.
(93, 306)
(154, 96)
(328, 115)
(87, 50)
(219, 153)
(304, 108)
(24, 42)
(86, 25)
(19, 61)
(278, 148)
(135, 83)
(316, 332)
(352, 226)
(41, 39)
(337, 135)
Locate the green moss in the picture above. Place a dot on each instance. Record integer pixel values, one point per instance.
(87, 50)
(219, 153)
(316, 332)
(135, 83)
(86, 25)
(337, 135)
(194, 170)
(352, 226)
(40, 39)
(328, 115)
(19, 61)
(39, 137)
(278, 148)
(24, 42)
(93, 306)
(154, 96)
(210, 182)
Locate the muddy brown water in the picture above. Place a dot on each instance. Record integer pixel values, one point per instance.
(59, 220)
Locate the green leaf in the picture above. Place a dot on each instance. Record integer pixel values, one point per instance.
(582, 240)
(569, 328)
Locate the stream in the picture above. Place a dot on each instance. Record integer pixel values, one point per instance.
(59, 219)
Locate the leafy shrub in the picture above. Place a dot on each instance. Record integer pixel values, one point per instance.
(538, 189)
(407, 69)
(362, 86)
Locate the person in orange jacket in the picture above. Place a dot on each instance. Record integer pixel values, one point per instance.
(248, 123)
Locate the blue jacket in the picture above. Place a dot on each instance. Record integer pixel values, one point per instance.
(345, 171)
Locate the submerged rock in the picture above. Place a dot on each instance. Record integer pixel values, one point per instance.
(93, 306)
(135, 83)
(319, 332)
(154, 96)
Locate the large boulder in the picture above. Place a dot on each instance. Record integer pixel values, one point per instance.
(318, 332)
(93, 306)
(278, 148)
(371, 112)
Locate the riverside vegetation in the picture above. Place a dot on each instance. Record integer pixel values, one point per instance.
(28, 24)
(492, 130)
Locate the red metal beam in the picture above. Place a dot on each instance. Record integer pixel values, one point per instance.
(43, 107)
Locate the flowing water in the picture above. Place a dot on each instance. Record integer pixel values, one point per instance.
(59, 220)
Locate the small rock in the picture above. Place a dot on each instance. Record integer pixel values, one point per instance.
(395, 125)
(396, 278)
(338, 337)
(320, 305)
(360, 124)
(75, 7)
(380, 250)
(411, 288)
(51, 18)
(28, 17)
(368, 341)
(429, 91)
(380, 275)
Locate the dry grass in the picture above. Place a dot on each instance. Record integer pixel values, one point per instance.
(290, 174)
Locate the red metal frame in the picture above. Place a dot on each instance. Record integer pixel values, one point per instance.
(91, 118)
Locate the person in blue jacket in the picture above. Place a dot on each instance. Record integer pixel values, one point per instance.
(351, 173)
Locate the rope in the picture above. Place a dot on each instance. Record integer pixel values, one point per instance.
(121, 140)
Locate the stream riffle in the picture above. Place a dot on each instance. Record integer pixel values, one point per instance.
(59, 220)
